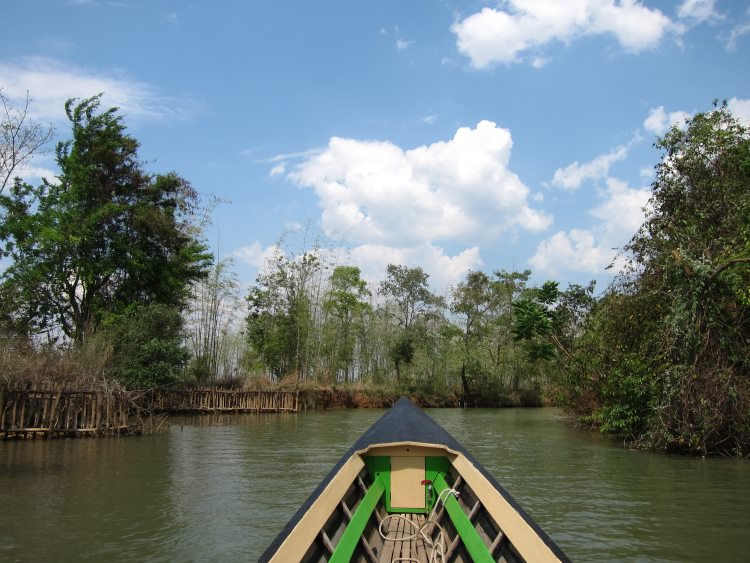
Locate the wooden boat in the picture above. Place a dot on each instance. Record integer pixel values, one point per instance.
(408, 491)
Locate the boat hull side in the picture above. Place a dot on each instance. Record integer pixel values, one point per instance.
(307, 528)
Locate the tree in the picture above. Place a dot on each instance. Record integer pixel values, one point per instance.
(280, 319)
(346, 308)
(508, 361)
(211, 316)
(694, 251)
(20, 139)
(148, 346)
(473, 300)
(408, 289)
(665, 357)
(106, 235)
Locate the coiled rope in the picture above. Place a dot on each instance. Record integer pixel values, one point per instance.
(436, 547)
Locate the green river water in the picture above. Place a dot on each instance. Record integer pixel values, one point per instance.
(219, 488)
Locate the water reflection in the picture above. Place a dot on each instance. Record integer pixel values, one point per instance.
(221, 487)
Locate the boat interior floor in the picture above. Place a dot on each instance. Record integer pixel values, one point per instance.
(409, 548)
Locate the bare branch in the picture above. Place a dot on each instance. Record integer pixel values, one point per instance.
(20, 138)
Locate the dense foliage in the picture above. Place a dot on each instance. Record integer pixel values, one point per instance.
(148, 348)
(103, 238)
(665, 358)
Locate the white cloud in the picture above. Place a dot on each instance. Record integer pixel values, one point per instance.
(659, 121)
(278, 170)
(402, 44)
(505, 35)
(699, 11)
(460, 190)
(50, 83)
(429, 119)
(621, 213)
(575, 251)
(737, 32)
(647, 172)
(255, 254)
(444, 270)
(39, 167)
(741, 109)
(592, 250)
(572, 176)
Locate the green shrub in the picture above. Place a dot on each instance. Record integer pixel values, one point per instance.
(148, 347)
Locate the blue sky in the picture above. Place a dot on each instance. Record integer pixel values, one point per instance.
(447, 134)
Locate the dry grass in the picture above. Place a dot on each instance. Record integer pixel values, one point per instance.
(85, 366)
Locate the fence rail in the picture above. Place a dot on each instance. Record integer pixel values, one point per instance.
(222, 400)
(62, 412)
(32, 413)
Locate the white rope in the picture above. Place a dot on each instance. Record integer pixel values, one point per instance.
(436, 547)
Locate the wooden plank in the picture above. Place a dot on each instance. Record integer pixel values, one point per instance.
(498, 540)
(386, 555)
(419, 550)
(326, 541)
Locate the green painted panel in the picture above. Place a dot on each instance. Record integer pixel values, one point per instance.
(434, 466)
(469, 535)
(380, 466)
(351, 536)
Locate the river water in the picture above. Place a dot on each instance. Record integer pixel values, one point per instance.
(219, 488)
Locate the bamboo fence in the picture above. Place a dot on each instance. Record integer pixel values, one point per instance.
(49, 412)
(211, 399)
(42, 413)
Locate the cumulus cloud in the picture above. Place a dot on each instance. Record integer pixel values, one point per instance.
(375, 192)
(592, 250)
(50, 83)
(659, 121)
(572, 176)
(444, 270)
(255, 254)
(740, 108)
(506, 35)
(37, 168)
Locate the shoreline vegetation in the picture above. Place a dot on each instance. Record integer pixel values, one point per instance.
(108, 280)
(49, 409)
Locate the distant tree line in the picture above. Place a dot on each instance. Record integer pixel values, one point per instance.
(321, 322)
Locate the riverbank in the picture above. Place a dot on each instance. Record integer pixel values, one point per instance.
(373, 396)
(35, 410)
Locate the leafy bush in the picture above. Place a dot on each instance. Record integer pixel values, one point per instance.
(148, 346)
